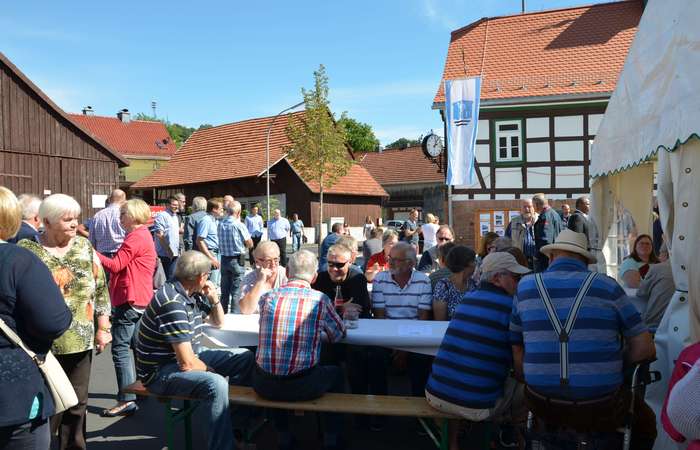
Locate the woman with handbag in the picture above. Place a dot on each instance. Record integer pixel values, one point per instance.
(77, 271)
(131, 290)
(32, 307)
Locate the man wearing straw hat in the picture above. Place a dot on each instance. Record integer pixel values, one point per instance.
(566, 332)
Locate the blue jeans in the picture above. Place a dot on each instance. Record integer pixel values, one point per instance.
(27, 436)
(210, 388)
(231, 275)
(124, 319)
(215, 274)
(296, 241)
(168, 266)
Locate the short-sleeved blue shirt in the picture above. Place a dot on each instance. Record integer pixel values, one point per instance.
(207, 230)
(595, 344)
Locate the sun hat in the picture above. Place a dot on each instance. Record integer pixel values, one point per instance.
(498, 261)
(571, 241)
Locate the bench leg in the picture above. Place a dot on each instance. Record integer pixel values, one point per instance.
(173, 415)
(445, 435)
(169, 427)
(188, 424)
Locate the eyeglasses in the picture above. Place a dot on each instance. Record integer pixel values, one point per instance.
(337, 265)
(268, 261)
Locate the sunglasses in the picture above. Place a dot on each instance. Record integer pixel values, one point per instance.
(337, 265)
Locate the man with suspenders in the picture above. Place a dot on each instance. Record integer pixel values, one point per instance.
(571, 331)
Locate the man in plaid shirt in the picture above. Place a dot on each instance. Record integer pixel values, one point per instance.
(294, 319)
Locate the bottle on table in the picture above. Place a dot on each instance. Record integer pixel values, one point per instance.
(338, 302)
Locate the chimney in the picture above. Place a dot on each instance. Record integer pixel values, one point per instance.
(88, 111)
(124, 116)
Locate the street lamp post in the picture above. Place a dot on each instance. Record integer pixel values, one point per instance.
(267, 152)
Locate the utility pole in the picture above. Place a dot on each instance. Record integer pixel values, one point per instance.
(523, 6)
(153, 107)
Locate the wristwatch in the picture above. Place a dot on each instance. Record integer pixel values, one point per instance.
(106, 330)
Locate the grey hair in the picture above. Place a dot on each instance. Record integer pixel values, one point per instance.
(539, 199)
(30, 205)
(503, 243)
(199, 204)
(191, 264)
(302, 265)
(55, 206)
(488, 276)
(407, 249)
(347, 241)
(233, 208)
(339, 249)
(388, 235)
(265, 246)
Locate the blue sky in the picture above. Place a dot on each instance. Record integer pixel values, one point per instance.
(223, 61)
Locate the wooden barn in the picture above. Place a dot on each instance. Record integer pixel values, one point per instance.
(43, 152)
(230, 159)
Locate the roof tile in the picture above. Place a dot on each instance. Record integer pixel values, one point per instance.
(401, 166)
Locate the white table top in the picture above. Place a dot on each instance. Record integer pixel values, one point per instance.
(418, 336)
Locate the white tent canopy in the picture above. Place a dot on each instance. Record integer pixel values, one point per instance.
(655, 109)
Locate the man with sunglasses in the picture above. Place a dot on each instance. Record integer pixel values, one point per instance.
(429, 260)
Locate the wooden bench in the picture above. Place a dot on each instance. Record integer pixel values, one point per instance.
(382, 405)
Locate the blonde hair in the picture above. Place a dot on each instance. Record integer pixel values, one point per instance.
(10, 214)
(55, 206)
(138, 210)
(429, 218)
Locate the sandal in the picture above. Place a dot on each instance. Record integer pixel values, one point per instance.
(127, 409)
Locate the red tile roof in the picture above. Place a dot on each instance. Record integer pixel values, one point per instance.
(565, 51)
(135, 138)
(237, 150)
(405, 166)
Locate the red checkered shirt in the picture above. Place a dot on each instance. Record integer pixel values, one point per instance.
(292, 321)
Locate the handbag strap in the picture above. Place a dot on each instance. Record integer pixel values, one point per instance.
(16, 339)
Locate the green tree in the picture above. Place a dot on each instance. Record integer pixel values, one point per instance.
(318, 144)
(360, 135)
(402, 143)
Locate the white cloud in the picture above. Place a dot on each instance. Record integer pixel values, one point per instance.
(442, 13)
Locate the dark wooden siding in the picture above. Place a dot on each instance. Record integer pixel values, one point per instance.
(42, 151)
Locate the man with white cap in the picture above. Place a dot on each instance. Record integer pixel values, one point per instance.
(470, 372)
(566, 332)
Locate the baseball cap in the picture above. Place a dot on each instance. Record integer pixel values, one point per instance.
(498, 261)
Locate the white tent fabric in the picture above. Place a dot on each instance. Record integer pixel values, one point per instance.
(656, 108)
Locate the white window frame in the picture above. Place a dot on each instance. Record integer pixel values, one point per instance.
(509, 134)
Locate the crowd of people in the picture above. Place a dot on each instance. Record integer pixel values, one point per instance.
(531, 326)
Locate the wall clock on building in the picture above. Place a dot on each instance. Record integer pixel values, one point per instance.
(432, 145)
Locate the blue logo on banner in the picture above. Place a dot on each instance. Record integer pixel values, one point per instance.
(462, 112)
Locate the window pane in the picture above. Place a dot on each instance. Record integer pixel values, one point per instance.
(514, 141)
(515, 152)
(503, 142)
(508, 127)
(503, 153)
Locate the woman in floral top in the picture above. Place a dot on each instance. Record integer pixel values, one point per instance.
(448, 292)
(77, 271)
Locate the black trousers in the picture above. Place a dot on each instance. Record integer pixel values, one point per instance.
(71, 424)
(251, 258)
(282, 244)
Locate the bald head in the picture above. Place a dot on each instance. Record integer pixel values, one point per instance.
(117, 197)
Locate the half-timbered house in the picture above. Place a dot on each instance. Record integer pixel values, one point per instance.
(546, 80)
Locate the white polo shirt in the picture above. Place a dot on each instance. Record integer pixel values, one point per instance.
(402, 303)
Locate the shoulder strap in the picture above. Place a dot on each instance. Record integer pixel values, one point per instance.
(15, 339)
(563, 332)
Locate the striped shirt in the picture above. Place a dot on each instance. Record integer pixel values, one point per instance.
(170, 318)
(595, 346)
(232, 236)
(474, 358)
(106, 232)
(402, 303)
(292, 319)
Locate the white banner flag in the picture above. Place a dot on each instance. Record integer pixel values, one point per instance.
(462, 108)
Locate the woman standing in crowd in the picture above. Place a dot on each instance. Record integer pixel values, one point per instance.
(368, 227)
(297, 231)
(448, 292)
(486, 246)
(32, 306)
(635, 267)
(430, 229)
(380, 261)
(77, 271)
(130, 289)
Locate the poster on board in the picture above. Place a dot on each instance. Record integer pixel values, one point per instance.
(499, 218)
(484, 228)
(512, 214)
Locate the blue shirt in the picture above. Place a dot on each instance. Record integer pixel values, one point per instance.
(277, 229)
(167, 223)
(297, 227)
(330, 240)
(595, 347)
(207, 230)
(232, 236)
(474, 359)
(254, 225)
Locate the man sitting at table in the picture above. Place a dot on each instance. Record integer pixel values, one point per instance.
(267, 275)
(293, 320)
(402, 292)
(470, 372)
(168, 356)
